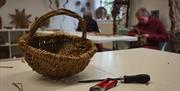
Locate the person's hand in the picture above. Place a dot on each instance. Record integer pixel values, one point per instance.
(146, 35)
(136, 35)
(138, 30)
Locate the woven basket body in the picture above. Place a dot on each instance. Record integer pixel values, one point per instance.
(58, 54)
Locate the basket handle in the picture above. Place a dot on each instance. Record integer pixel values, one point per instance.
(61, 11)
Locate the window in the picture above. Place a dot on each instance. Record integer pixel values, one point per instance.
(108, 5)
(103, 5)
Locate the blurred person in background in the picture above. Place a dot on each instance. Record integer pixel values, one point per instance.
(150, 31)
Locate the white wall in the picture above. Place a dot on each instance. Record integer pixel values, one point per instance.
(34, 7)
(65, 22)
(39, 7)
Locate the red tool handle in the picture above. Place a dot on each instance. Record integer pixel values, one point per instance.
(110, 84)
(104, 85)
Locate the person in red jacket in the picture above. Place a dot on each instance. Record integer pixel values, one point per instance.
(150, 29)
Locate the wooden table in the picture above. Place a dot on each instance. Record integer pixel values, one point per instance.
(163, 67)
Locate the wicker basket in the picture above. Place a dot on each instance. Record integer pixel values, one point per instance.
(58, 54)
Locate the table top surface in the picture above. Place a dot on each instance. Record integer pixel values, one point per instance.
(100, 38)
(163, 68)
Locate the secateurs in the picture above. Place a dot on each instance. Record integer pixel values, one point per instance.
(108, 83)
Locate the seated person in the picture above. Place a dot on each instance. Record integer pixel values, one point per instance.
(91, 27)
(149, 30)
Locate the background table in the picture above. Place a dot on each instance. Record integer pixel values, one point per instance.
(99, 38)
(163, 67)
(105, 38)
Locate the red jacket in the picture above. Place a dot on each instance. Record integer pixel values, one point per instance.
(155, 29)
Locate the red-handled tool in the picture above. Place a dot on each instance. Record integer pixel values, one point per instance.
(104, 85)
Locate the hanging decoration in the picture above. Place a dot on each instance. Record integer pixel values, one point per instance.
(88, 6)
(64, 5)
(78, 7)
(20, 19)
(83, 8)
(56, 2)
(78, 3)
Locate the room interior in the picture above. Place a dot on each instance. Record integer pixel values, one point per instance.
(126, 19)
(41, 49)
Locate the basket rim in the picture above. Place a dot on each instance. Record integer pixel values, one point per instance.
(22, 41)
